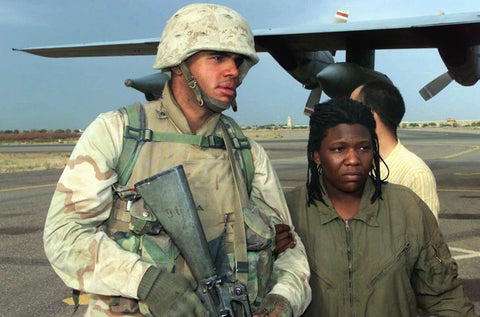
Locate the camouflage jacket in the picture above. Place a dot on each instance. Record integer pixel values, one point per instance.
(83, 252)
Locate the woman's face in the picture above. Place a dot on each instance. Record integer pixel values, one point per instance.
(346, 157)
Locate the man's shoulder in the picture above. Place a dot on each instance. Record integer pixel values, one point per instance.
(400, 194)
(408, 154)
(405, 157)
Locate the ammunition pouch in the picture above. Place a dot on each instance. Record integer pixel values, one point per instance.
(143, 235)
(260, 234)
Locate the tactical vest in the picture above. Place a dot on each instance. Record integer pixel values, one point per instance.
(147, 152)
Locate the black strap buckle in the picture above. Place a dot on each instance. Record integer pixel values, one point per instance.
(241, 267)
(144, 135)
(215, 141)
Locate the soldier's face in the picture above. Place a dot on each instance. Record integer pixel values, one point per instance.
(216, 73)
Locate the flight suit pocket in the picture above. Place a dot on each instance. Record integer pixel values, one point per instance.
(394, 263)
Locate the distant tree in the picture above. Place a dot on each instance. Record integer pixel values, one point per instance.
(413, 124)
(432, 124)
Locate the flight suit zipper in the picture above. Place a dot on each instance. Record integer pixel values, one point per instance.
(349, 260)
(387, 267)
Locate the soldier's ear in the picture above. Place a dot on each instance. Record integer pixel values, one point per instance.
(176, 70)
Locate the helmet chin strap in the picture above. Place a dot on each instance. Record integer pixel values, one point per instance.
(203, 99)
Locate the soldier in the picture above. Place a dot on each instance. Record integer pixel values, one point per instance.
(100, 242)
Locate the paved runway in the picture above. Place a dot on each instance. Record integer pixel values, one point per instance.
(29, 286)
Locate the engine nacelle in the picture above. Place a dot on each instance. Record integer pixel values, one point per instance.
(463, 63)
(340, 79)
(151, 85)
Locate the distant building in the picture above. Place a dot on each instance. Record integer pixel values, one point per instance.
(289, 122)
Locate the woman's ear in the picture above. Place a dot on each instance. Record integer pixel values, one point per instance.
(316, 157)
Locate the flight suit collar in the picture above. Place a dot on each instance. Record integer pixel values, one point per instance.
(368, 211)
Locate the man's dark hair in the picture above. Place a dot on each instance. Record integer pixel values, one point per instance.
(385, 99)
(330, 114)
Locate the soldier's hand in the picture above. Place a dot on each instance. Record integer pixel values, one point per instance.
(284, 239)
(274, 306)
(168, 294)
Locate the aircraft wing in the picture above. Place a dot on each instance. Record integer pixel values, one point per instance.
(115, 48)
(418, 32)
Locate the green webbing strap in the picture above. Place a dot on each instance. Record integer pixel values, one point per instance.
(136, 134)
(203, 141)
(241, 144)
(133, 139)
(241, 201)
(76, 300)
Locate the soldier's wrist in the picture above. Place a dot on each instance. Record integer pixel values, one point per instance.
(147, 281)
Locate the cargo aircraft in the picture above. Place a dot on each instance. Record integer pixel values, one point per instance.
(307, 52)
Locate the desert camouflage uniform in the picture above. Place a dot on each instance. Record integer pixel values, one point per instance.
(88, 241)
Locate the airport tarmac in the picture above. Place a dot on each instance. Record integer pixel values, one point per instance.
(30, 287)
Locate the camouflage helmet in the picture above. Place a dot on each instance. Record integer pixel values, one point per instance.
(205, 27)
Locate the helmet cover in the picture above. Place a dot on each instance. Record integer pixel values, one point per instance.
(205, 27)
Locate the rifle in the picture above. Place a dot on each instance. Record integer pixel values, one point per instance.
(167, 194)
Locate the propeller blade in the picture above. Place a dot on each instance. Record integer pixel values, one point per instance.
(341, 16)
(435, 86)
(313, 99)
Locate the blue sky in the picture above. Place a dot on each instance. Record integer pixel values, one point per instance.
(39, 92)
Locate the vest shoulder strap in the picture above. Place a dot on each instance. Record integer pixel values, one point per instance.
(242, 145)
(133, 139)
(136, 134)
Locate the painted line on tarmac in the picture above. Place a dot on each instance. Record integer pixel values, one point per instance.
(82, 300)
(26, 187)
(472, 190)
(467, 254)
(475, 148)
(466, 174)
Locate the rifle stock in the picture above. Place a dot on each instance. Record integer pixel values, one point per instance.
(167, 194)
